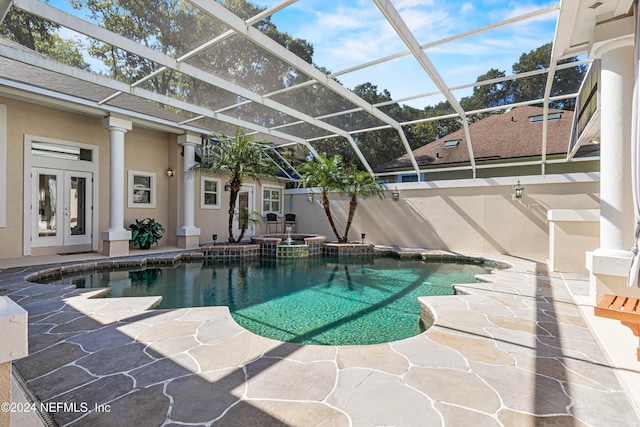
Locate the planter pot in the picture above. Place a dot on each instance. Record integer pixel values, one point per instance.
(146, 245)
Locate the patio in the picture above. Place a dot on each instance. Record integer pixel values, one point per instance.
(516, 348)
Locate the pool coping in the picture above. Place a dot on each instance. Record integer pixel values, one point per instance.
(479, 338)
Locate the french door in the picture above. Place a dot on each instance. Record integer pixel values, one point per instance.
(61, 207)
(245, 200)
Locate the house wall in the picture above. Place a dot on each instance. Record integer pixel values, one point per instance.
(465, 216)
(145, 150)
(148, 151)
(216, 221)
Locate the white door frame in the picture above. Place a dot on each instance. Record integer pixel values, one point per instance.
(251, 204)
(64, 208)
(49, 163)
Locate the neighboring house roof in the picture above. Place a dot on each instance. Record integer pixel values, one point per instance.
(512, 134)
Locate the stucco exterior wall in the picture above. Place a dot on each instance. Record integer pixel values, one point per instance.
(216, 221)
(465, 219)
(145, 150)
(148, 151)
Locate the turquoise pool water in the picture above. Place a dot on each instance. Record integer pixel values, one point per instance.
(307, 301)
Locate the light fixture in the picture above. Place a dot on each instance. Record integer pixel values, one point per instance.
(227, 187)
(517, 191)
(310, 197)
(170, 171)
(214, 237)
(363, 236)
(395, 195)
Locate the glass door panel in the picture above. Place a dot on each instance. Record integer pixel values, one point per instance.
(61, 205)
(77, 208)
(47, 205)
(246, 201)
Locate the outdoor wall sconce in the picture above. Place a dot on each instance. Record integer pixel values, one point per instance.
(214, 237)
(395, 195)
(517, 191)
(170, 171)
(363, 236)
(227, 187)
(310, 197)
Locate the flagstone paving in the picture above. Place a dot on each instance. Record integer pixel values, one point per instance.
(510, 350)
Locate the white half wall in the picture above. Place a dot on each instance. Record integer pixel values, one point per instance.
(463, 215)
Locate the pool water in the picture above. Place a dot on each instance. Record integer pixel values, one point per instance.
(307, 301)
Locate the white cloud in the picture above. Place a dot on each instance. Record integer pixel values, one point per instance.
(467, 7)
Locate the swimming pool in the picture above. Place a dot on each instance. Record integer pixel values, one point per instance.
(307, 301)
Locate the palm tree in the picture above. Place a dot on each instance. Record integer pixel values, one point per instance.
(329, 175)
(359, 184)
(239, 157)
(326, 173)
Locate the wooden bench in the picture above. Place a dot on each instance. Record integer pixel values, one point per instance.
(624, 309)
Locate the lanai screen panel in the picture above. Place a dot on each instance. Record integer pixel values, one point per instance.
(315, 100)
(259, 114)
(355, 121)
(208, 69)
(244, 63)
(305, 131)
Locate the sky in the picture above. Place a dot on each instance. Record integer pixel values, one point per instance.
(346, 33)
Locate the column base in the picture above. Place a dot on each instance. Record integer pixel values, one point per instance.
(188, 237)
(608, 271)
(115, 243)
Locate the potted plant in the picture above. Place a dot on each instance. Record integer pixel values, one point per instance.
(146, 232)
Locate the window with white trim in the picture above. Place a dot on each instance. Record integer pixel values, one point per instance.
(142, 189)
(271, 200)
(210, 193)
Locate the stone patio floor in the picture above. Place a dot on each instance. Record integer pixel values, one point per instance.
(510, 350)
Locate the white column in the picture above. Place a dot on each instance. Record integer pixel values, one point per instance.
(116, 237)
(616, 201)
(609, 264)
(188, 234)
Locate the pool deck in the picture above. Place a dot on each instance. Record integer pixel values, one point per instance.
(518, 348)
